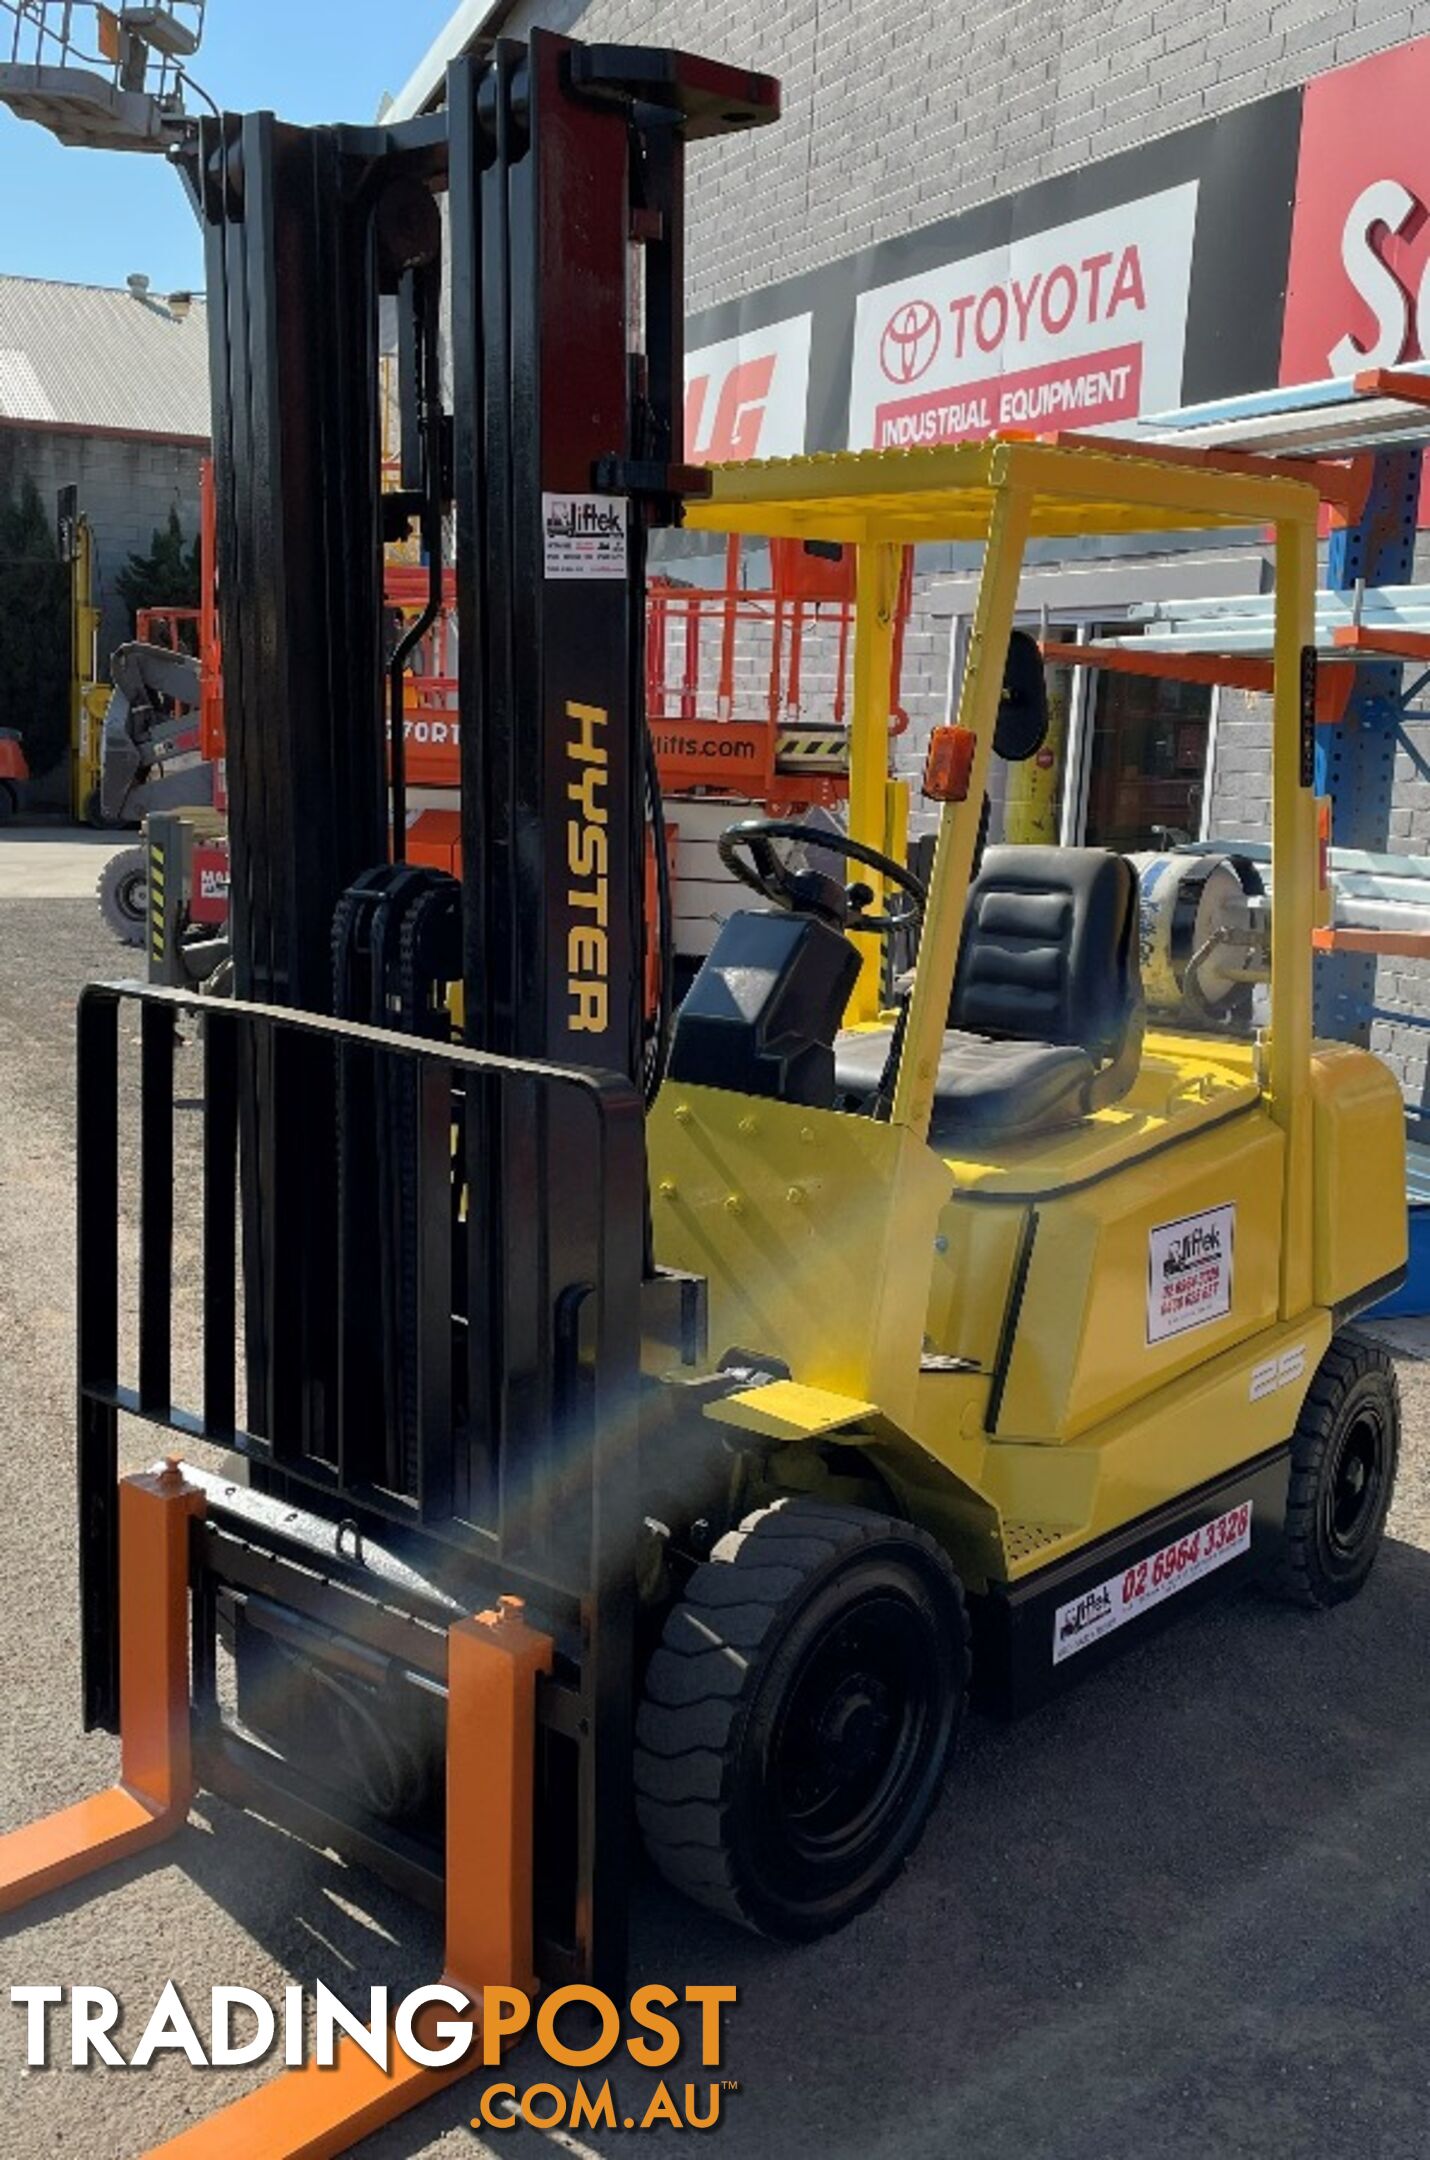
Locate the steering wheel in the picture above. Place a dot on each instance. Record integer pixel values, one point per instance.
(747, 853)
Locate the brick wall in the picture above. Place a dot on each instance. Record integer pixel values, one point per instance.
(1401, 1031)
(1241, 777)
(904, 112)
(126, 489)
(1241, 810)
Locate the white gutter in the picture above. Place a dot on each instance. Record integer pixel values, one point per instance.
(424, 86)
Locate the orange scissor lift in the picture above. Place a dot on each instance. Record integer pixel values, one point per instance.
(749, 684)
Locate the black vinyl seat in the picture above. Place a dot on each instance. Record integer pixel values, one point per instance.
(1047, 1006)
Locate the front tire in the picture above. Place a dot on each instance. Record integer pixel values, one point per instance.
(799, 1715)
(1344, 1454)
(123, 894)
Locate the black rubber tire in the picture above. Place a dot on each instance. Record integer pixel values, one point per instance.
(124, 895)
(1344, 1453)
(9, 802)
(95, 818)
(723, 1791)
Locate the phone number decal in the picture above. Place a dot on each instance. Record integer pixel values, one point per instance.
(1147, 1582)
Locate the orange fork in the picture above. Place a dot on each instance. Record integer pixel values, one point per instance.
(312, 2114)
(151, 1800)
(493, 1664)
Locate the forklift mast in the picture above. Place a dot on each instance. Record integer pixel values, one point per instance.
(563, 172)
(424, 1269)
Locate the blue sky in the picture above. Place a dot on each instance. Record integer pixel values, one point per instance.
(94, 216)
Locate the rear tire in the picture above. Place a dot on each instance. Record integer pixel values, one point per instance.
(95, 818)
(1344, 1453)
(124, 895)
(799, 1715)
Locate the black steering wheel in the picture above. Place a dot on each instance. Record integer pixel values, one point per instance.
(747, 853)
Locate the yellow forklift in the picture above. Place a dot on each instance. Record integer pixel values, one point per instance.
(89, 695)
(702, 1407)
(1045, 1307)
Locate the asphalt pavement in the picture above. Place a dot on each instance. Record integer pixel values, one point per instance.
(1184, 1910)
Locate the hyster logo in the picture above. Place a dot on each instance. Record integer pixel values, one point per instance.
(911, 341)
(588, 954)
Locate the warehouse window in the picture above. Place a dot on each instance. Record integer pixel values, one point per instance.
(1147, 750)
(1127, 763)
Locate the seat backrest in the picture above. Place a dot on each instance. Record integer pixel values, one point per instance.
(1050, 949)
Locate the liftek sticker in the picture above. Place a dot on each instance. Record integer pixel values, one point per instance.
(1148, 1582)
(1189, 1272)
(585, 535)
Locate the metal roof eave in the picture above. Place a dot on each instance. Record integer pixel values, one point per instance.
(92, 431)
(474, 24)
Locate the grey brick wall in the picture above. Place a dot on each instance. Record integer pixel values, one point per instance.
(1401, 1032)
(126, 489)
(1241, 777)
(906, 111)
(1241, 810)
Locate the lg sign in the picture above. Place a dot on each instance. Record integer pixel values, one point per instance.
(1358, 293)
(746, 396)
(725, 417)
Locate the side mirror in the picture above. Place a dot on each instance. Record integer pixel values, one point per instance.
(1022, 727)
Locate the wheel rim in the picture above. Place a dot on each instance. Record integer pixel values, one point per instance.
(130, 897)
(853, 1739)
(1354, 1487)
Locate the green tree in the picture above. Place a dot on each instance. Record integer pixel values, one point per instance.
(34, 630)
(167, 577)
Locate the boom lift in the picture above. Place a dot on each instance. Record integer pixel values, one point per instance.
(967, 1333)
(99, 77)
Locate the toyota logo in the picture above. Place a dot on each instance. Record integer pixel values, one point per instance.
(910, 342)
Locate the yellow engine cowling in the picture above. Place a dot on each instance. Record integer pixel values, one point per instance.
(1361, 1224)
